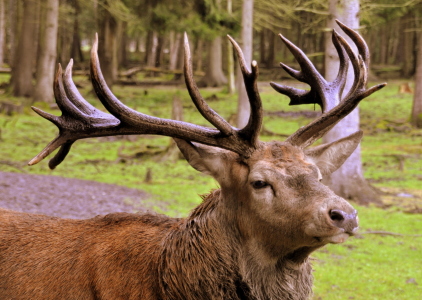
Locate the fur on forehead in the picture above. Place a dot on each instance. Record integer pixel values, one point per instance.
(278, 151)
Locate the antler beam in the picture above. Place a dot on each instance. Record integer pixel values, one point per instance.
(81, 120)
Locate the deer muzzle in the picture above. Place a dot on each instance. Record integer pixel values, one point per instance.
(344, 220)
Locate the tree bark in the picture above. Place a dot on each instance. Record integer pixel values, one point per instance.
(107, 48)
(243, 107)
(175, 47)
(151, 48)
(48, 52)
(159, 51)
(123, 44)
(348, 180)
(76, 50)
(12, 30)
(21, 80)
(417, 96)
(2, 30)
(230, 59)
(271, 49)
(214, 75)
(262, 48)
(408, 47)
(198, 60)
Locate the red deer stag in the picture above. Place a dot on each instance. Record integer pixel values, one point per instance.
(250, 239)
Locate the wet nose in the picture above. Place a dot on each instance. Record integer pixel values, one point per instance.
(348, 222)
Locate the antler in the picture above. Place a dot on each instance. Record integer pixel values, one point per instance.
(81, 120)
(327, 93)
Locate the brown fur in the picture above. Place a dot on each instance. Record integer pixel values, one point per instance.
(240, 243)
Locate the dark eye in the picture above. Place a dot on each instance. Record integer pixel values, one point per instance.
(259, 184)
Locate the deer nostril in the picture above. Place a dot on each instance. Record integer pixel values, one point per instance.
(341, 219)
(337, 215)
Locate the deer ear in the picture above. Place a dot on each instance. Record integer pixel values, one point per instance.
(206, 159)
(329, 157)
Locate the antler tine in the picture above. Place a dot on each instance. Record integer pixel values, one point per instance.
(341, 78)
(307, 68)
(358, 40)
(206, 111)
(250, 77)
(62, 101)
(68, 109)
(73, 94)
(321, 92)
(307, 135)
(75, 114)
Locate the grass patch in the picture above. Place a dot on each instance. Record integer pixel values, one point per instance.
(373, 266)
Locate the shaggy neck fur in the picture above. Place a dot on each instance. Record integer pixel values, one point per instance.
(207, 250)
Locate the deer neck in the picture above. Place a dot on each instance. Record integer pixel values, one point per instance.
(198, 260)
(205, 255)
(289, 277)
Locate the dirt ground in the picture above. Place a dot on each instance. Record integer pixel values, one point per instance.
(66, 197)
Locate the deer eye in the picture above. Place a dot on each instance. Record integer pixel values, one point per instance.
(259, 184)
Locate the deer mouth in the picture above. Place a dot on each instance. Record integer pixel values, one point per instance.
(337, 238)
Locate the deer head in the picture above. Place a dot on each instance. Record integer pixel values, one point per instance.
(271, 191)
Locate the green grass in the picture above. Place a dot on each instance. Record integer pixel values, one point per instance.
(370, 266)
(373, 266)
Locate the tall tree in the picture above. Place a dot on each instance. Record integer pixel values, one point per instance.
(175, 47)
(2, 30)
(21, 80)
(12, 29)
(107, 50)
(76, 50)
(243, 107)
(48, 52)
(417, 97)
(230, 59)
(214, 75)
(348, 180)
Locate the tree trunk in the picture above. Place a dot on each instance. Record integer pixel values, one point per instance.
(48, 51)
(271, 49)
(243, 107)
(107, 48)
(417, 96)
(76, 50)
(408, 45)
(214, 75)
(175, 47)
(159, 51)
(123, 44)
(348, 180)
(2, 30)
(21, 80)
(384, 42)
(262, 48)
(12, 30)
(198, 54)
(151, 48)
(230, 58)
